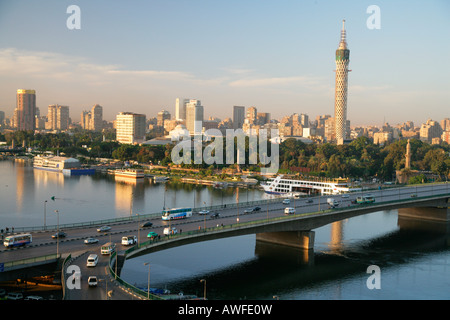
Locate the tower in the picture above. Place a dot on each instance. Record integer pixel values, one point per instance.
(408, 156)
(340, 100)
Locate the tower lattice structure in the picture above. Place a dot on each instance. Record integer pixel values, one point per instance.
(341, 88)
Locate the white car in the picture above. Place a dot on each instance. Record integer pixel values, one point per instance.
(90, 240)
(345, 196)
(92, 281)
(203, 212)
(104, 228)
(286, 201)
(92, 260)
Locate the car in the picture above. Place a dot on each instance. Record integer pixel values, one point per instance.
(248, 210)
(203, 212)
(147, 224)
(286, 201)
(215, 215)
(14, 296)
(60, 234)
(90, 240)
(92, 281)
(345, 196)
(152, 235)
(34, 298)
(104, 228)
(92, 260)
(169, 231)
(256, 208)
(289, 210)
(309, 201)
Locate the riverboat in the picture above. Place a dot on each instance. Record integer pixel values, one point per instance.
(129, 173)
(281, 185)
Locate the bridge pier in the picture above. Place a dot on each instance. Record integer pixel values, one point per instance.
(297, 239)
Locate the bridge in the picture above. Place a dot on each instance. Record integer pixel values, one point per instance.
(270, 224)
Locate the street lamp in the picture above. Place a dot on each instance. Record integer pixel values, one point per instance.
(45, 214)
(148, 280)
(204, 288)
(57, 233)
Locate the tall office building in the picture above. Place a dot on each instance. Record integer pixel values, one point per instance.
(161, 117)
(130, 128)
(25, 113)
(92, 120)
(97, 118)
(238, 117)
(57, 117)
(340, 102)
(180, 108)
(194, 117)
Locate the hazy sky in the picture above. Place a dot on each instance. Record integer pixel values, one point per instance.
(278, 56)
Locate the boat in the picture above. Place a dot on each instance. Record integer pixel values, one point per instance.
(160, 179)
(281, 185)
(129, 173)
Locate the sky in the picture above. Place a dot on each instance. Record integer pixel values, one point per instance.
(278, 56)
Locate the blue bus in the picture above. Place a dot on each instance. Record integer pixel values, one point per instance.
(17, 240)
(179, 213)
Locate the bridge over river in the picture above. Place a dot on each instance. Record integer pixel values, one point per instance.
(269, 223)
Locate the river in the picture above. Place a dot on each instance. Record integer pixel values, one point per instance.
(412, 258)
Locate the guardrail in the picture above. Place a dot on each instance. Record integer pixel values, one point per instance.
(11, 264)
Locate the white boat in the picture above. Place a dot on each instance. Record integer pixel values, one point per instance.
(55, 163)
(160, 179)
(129, 173)
(282, 186)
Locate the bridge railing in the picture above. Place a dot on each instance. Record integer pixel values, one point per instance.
(235, 205)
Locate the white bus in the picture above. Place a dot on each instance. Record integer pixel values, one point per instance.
(17, 240)
(179, 213)
(108, 248)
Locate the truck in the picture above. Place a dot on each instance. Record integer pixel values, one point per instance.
(332, 202)
(129, 240)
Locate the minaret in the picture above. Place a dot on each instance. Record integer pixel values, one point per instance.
(340, 100)
(408, 156)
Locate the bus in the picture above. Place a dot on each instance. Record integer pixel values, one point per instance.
(365, 199)
(108, 248)
(179, 213)
(17, 240)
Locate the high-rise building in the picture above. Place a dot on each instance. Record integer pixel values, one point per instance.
(25, 113)
(57, 117)
(161, 117)
(238, 117)
(92, 120)
(180, 108)
(130, 128)
(340, 102)
(96, 118)
(194, 117)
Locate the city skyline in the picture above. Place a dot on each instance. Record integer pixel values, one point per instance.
(277, 57)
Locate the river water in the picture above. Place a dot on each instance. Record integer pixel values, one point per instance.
(413, 259)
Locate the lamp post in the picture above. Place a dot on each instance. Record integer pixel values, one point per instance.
(45, 214)
(139, 229)
(148, 280)
(204, 288)
(57, 233)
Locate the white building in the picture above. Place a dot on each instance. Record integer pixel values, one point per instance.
(130, 128)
